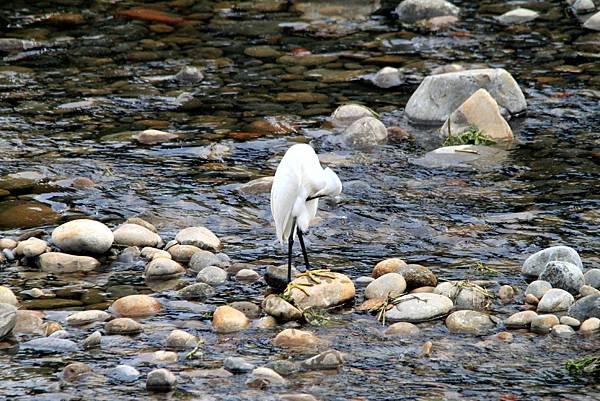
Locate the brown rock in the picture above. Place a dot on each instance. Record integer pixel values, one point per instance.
(292, 338)
(227, 320)
(136, 305)
(330, 292)
(391, 265)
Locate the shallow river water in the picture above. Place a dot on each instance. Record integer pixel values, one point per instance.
(70, 102)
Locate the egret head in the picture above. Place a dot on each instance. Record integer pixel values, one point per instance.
(333, 186)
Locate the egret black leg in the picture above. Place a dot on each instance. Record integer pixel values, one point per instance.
(290, 244)
(303, 249)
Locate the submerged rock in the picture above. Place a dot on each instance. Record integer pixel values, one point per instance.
(419, 307)
(470, 322)
(330, 359)
(330, 292)
(416, 10)
(534, 264)
(387, 77)
(161, 381)
(563, 275)
(228, 320)
(92, 341)
(463, 157)
(237, 365)
(180, 339)
(189, 75)
(74, 371)
(402, 329)
(83, 236)
(517, 16)
(57, 262)
(367, 131)
(153, 136)
(212, 275)
(346, 114)
(441, 94)
(50, 345)
(479, 110)
(123, 373)
(268, 375)
(196, 291)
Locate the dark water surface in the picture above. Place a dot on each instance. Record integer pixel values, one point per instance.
(444, 219)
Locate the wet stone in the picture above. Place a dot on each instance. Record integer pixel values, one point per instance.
(346, 114)
(387, 77)
(200, 237)
(141, 222)
(585, 307)
(247, 275)
(542, 324)
(251, 310)
(8, 243)
(555, 300)
(538, 288)
(520, 319)
(136, 235)
(196, 291)
(590, 325)
(92, 341)
(592, 278)
(417, 276)
(123, 373)
(163, 269)
(470, 322)
(269, 375)
(564, 275)
(57, 262)
(517, 16)
(363, 281)
(29, 322)
(535, 264)
(50, 345)
(465, 157)
(365, 132)
(7, 296)
(531, 299)
(330, 359)
(136, 306)
(203, 259)
(463, 297)
(329, 292)
(414, 10)
(402, 329)
(562, 330)
(292, 338)
(161, 381)
(151, 253)
(237, 365)
(74, 371)
(281, 309)
(390, 284)
(586, 290)
(227, 320)
(189, 75)
(87, 317)
(123, 325)
(570, 321)
(83, 236)
(183, 253)
(31, 247)
(506, 294)
(8, 319)
(180, 339)
(419, 307)
(276, 276)
(212, 275)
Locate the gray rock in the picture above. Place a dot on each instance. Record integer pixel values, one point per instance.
(161, 381)
(129, 255)
(269, 375)
(417, 276)
(201, 237)
(284, 367)
(535, 264)
(51, 345)
(87, 317)
(330, 359)
(203, 259)
(189, 75)
(391, 284)
(62, 334)
(257, 186)
(57, 262)
(517, 16)
(592, 278)
(466, 157)
(441, 94)
(387, 77)
(506, 294)
(419, 307)
(470, 322)
(123, 373)
(555, 300)
(212, 275)
(281, 309)
(585, 308)
(346, 114)
(562, 330)
(593, 22)
(563, 275)
(542, 324)
(538, 288)
(237, 365)
(196, 291)
(583, 6)
(163, 269)
(180, 339)
(520, 319)
(276, 276)
(136, 235)
(92, 341)
(83, 236)
(462, 297)
(416, 10)
(8, 319)
(365, 132)
(247, 275)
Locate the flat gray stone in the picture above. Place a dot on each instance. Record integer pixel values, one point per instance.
(419, 307)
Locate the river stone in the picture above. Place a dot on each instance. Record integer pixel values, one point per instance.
(87, 317)
(7, 296)
(390, 284)
(228, 320)
(141, 222)
(415, 10)
(517, 16)
(562, 330)
(281, 309)
(29, 322)
(479, 110)
(330, 359)
(51, 328)
(417, 276)
(250, 309)
(136, 235)
(292, 338)
(153, 253)
(570, 321)
(391, 265)
(163, 269)
(419, 307)
(201, 237)
(330, 292)
(8, 243)
(346, 114)
(83, 236)
(583, 6)
(441, 94)
(585, 308)
(92, 341)
(31, 247)
(563, 275)
(590, 325)
(50, 345)
(298, 397)
(506, 294)
(161, 381)
(123, 325)
(136, 306)
(470, 322)
(183, 253)
(387, 77)
(520, 319)
(123, 373)
(180, 339)
(463, 157)
(276, 276)
(363, 281)
(265, 323)
(212, 275)
(57, 262)
(237, 365)
(247, 275)
(268, 375)
(202, 259)
(8, 319)
(402, 329)
(535, 264)
(196, 291)
(366, 131)
(462, 297)
(586, 290)
(258, 186)
(555, 300)
(542, 324)
(538, 288)
(75, 371)
(592, 278)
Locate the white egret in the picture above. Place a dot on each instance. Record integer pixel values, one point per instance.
(298, 184)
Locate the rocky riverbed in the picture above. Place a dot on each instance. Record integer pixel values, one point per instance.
(138, 145)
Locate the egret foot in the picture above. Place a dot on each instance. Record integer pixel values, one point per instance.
(292, 285)
(313, 274)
